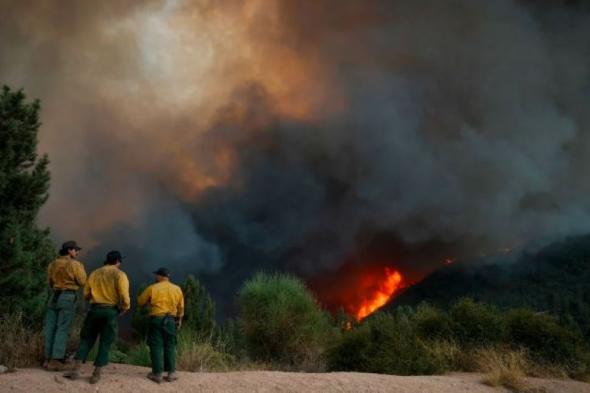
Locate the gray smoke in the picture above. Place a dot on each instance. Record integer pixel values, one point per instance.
(432, 129)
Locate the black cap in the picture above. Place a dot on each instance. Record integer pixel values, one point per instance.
(114, 256)
(70, 244)
(162, 272)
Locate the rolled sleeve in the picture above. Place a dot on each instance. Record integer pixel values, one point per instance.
(144, 297)
(87, 291)
(123, 286)
(80, 274)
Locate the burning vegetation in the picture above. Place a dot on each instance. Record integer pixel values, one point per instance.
(376, 291)
(358, 290)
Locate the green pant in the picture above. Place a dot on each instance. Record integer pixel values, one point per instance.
(162, 340)
(58, 319)
(100, 321)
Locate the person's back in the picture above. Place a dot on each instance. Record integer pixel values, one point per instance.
(65, 276)
(166, 303)
(165, 299)
(66, 273)
(108, 286)
(107, 290)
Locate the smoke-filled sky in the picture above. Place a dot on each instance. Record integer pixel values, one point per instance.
(223, 137)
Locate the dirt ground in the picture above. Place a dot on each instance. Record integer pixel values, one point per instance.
(131, 379)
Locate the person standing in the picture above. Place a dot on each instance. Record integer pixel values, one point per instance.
(166, 303)
(65, 276)
(107, 290)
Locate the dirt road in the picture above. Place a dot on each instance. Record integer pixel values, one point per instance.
(131, 379)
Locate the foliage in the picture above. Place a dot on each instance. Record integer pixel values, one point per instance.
(196, 353)
(476, 323)
(504, 367)
(430, 340)
(140, 318)
(24, 183)
(199, 315)
(282, 322)
(554, 279)
(387, 344)
(21, 345)
(433, 324)
(545, 338)
(139, 355)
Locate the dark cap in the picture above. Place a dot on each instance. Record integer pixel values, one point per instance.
(114, 256)
(162, 272)
(70, 244)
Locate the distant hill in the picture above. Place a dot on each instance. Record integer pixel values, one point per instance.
(556, 279)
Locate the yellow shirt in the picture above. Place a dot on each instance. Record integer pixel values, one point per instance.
(164, 298)
(66, 273)
(108, 285)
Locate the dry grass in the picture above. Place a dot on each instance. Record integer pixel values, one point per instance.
(19, 345)
(505, 367)
(197, 354)
(446, 354)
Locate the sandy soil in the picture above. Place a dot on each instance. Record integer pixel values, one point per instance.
(131, 379)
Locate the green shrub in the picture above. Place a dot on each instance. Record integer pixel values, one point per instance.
(476, 324)
(196, 353)
(199, 313)
(139, 355)
(282, 322)
(140, 318)
(543, 336)
(388, 344)
(433, 324)
(352, 351)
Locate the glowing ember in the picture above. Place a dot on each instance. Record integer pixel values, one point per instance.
(380, 293)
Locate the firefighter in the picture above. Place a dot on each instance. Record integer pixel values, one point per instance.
(166, 309)
(107, 290)
(66, 276)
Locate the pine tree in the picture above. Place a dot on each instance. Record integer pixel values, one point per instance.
(199, 313)
(25, 250)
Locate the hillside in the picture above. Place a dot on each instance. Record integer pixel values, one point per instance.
(556, 279)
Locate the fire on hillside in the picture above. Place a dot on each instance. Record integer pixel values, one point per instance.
(359, 290)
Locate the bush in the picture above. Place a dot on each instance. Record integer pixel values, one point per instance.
(199, 313)
(389, 344)
(282, 322)
(139, 355)
(140, 318)
(198, 354)
(433, 324)
(20, 345)
(544, 337)
(476, 324)
(503, 367)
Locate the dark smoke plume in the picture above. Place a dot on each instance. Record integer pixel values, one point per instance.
(308, 135)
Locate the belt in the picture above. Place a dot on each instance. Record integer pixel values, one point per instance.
(99, 305)
(57, 293)
(163, 316)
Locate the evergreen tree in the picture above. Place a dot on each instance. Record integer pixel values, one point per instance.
(199, 315)
(25, 250)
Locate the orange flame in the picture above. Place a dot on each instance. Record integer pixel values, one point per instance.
(380, 295)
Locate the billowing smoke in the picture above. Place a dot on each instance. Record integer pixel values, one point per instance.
(306, 136)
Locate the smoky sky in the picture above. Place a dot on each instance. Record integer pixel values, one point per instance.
(306, 135)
